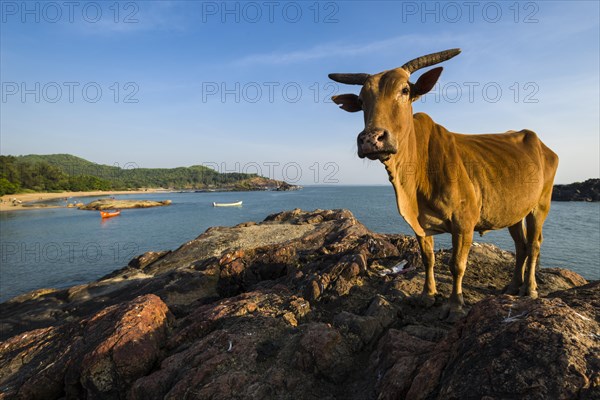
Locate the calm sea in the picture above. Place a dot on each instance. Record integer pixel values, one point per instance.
(64, 247)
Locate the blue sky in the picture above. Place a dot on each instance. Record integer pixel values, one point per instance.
(242, 86)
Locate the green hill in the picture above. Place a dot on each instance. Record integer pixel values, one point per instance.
(60, 172)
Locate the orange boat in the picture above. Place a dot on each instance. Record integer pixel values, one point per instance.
(109, 214)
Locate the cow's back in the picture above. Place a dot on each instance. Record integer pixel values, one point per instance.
(508, 173)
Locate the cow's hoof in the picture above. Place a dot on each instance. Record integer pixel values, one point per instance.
(427, 300)
(452, 314)
(422, 300)
(527, 292)
(511, 289)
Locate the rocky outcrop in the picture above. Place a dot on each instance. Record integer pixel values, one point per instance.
(304, 305)
(284, 187)
(578, 191)
(255, 183)
(112, 204)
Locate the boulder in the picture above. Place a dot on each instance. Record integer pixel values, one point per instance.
(97, 357)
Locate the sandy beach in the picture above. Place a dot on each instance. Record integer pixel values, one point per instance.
(27, 198)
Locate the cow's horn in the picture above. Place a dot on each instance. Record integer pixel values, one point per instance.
(429, 59)
(350, 79)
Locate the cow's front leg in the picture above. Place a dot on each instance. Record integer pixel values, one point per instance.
(461, 245)
(429, 290)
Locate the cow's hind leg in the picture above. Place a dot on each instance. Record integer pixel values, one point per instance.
(535, 221)
(517, 232)
(461, 245)
(429, 291)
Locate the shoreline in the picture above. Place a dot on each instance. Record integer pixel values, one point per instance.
(28, 198)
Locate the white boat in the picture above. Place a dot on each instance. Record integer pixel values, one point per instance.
(236, 204)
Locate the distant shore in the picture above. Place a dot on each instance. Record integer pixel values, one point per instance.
(26, 199)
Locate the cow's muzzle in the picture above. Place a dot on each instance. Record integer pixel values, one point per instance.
(375, 144)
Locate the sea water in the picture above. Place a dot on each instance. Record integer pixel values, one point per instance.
(61, 247)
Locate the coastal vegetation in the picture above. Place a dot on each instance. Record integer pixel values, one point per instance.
(18, 174)
(65, 172)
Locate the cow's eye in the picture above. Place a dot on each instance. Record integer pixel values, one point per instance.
(405, 90)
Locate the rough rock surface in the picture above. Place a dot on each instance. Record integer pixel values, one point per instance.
(301, 306)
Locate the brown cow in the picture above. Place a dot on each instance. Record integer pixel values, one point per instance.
(449, 182)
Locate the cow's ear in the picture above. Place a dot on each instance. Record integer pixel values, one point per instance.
(348, 102)
(426, 81)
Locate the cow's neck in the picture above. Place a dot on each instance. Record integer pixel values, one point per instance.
(407, 172)
(407, 169)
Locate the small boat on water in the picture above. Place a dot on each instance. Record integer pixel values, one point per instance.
(110, 214)
(236, 204)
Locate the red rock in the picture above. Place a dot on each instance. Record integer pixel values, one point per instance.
(97, 357)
